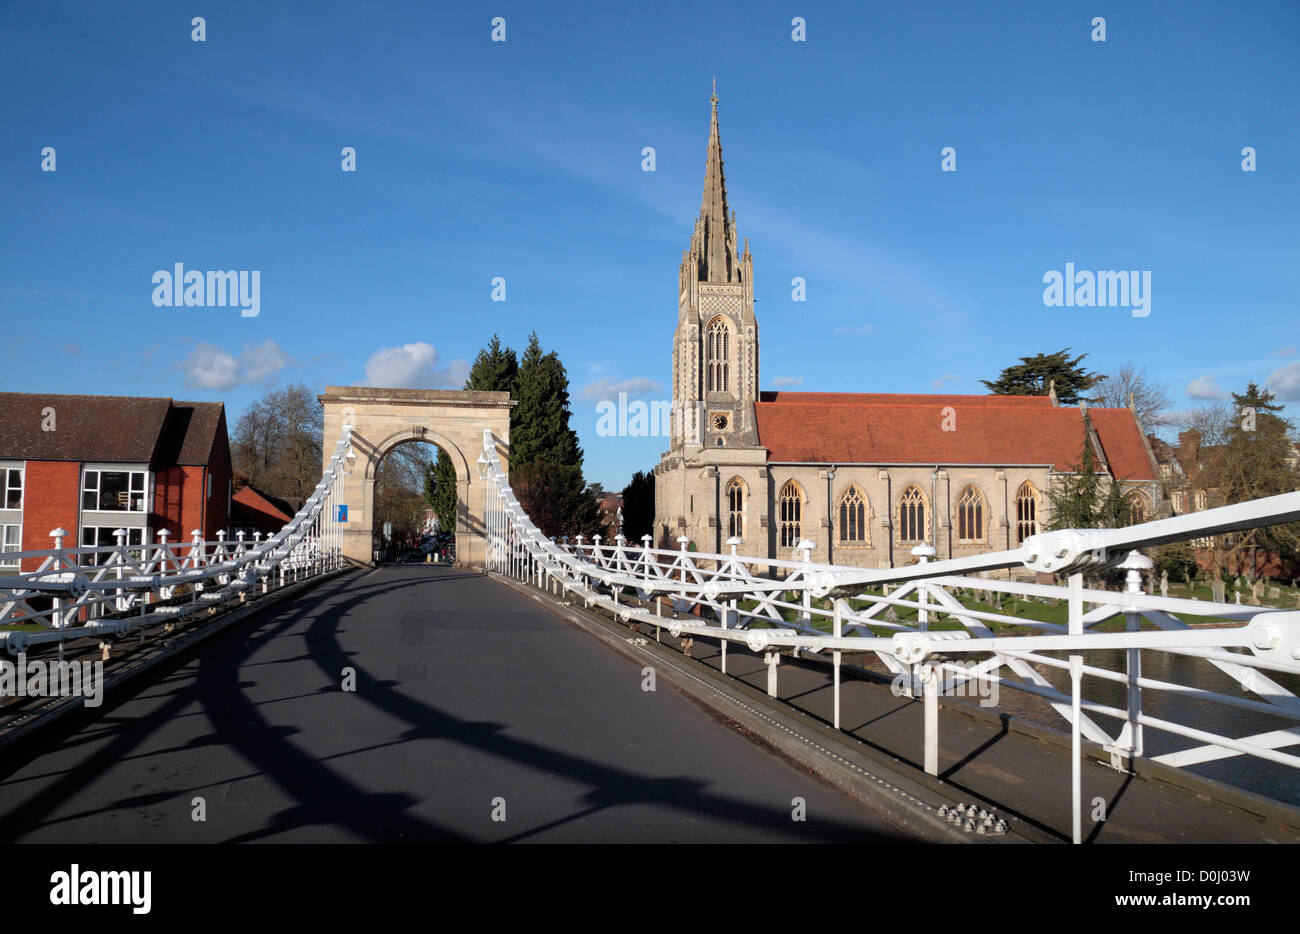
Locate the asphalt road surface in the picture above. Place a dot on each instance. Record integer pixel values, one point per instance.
(471, 703)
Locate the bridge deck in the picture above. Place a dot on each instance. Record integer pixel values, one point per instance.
(465, 691)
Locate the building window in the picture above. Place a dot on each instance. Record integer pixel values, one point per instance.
(853, 517)
(113, 490)
(911, 515)
(12, 542)
(1137, 508)
(736, 509)
(13, 487)
(717, 355)
(101, 536)
(791, 514)
(208, 491)
(1202, 500)
(970, 515)
(1026, 512)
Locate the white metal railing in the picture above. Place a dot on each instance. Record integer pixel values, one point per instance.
(793, 604)
(77, 593)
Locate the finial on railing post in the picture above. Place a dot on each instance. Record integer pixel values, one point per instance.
(221, 536)
(120, 535)
(162, 535)
(240, 535)
(58, 536)
(733, 542)
(646, 540)
(683, 541)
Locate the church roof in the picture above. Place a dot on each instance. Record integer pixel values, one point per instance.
(886, 428)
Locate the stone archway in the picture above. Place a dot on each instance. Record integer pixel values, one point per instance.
(381, 419)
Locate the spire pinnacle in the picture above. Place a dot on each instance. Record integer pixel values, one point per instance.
(718, 263)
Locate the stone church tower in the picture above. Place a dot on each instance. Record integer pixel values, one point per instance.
(715, 346)
(715, 371)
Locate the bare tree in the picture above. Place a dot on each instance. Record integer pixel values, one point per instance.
(1213, 422)
(276, 445)
(1150, 399)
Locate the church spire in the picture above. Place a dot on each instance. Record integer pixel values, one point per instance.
(719, 263)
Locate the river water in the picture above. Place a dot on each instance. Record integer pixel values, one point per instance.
(1251, 773)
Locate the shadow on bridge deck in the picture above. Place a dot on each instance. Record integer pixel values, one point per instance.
(468, 699)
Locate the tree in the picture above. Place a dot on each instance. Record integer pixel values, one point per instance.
(1087, 498)
(276, 446)
(539, 424)
(639, 505)
(1210, 422)
(1150, 400)
(1254, 462)
(440, 491)
(555, 499)
(495, 369)
(1033, 376)
(399, 496)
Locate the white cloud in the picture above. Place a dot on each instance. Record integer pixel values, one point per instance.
(414, 366)
(781, 382)
(1286, 382)
(944, 378)
(211, 367)
(857, 329)
(635, 387)
(1204, 388)
(1287, 351)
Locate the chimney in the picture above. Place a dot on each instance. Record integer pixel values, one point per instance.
(1189, 444)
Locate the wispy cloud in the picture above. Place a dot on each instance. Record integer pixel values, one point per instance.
(211, 367)
(1285, 381)
(1287, 351)
(414, 366)
(944, 378)
(1203, 388)
(781, 382)
(635, 387)
(857, 329)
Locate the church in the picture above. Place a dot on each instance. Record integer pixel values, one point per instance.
(864, 477)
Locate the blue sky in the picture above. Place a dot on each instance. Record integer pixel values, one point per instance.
(523, 160)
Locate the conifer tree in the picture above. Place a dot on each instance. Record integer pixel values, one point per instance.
(1034, 376)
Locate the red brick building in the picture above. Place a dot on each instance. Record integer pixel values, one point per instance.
(94, 464)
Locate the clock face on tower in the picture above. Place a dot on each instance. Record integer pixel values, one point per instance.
(720, 422)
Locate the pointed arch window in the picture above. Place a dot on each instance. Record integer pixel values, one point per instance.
(717, 356)
(911, 515)
(735, 509)
(970, 515)
(790, 510)
(1137, 508)
(853, 517)
(1026, 512)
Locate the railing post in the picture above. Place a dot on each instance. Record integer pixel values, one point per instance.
(923, 553)
(930, 691)
(1135, 564)
(56, 617)
(807, 546)
(1076, 746)
(771, 659)
(682, 542)
(836, 654)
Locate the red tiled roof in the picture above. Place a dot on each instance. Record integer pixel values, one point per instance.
(258, 502)
(902, 398)
(880, 428)
(1121, 439)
